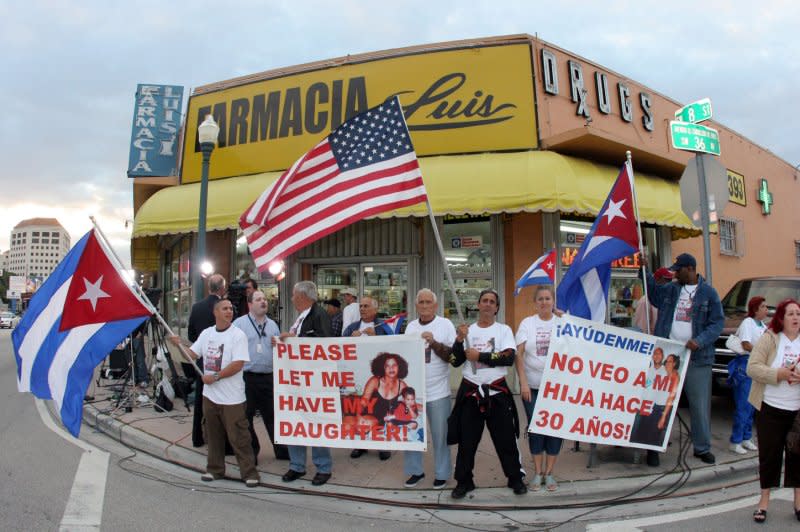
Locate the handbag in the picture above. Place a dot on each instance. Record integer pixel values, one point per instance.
(734, 343)
(793, 436)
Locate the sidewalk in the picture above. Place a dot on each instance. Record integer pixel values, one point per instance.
(614, 473)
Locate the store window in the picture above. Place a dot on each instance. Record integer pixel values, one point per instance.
(626, 290)
(387, 283)
(467, 242)
(178, 290)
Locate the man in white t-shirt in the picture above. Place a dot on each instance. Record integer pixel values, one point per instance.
(484, 397)
(439, 335)
(350, 314)
(224, 351)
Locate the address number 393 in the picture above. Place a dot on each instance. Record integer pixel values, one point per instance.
(736, 192)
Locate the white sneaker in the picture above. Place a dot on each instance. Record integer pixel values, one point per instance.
(737, 448)
(749, 445)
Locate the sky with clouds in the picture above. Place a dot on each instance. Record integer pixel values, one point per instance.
(69, 71)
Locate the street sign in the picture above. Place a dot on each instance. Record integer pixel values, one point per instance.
(716, 187)
(694, 137)
(16, 283)
(10, 294)
(695, 112)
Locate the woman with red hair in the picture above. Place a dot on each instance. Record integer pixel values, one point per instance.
(750, 330)
(774, 393)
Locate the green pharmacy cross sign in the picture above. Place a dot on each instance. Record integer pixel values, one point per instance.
(765, 197)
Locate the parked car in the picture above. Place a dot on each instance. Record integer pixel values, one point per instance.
(734, 306)
(8, 320)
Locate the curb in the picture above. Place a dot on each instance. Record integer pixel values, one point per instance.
(571, 494)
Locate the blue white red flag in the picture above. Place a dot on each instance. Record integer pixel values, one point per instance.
(364, 167)
(542, 271)
(396, 322)
(84, 309)
(584, 290)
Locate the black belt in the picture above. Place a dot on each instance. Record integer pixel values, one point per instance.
(257, 373)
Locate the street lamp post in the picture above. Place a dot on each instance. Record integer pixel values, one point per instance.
(207, 132)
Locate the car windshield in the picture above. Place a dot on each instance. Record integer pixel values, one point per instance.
(773, 290)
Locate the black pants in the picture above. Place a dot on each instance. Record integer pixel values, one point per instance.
(499, 420)
(259, 392)
(772, 425)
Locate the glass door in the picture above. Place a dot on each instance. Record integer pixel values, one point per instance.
(331, 280)
(388, 285)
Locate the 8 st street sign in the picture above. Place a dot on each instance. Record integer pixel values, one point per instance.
(695, 112)
(694, 137)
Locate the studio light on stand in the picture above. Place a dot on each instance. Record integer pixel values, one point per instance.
(207, 134)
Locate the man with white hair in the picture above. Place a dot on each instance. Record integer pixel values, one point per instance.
(439, 335)
(313, 322)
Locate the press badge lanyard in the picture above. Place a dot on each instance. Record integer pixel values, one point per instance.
(259, 332)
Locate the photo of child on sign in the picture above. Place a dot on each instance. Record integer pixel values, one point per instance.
(367, 394)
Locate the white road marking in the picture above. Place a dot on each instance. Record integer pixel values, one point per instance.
(631, 525)
(84, 509)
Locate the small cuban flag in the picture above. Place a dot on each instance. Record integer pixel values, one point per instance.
(542, 271)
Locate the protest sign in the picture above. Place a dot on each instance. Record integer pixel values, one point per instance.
(604, 384)
(360, 392)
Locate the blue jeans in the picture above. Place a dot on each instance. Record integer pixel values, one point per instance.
(742, 412)
(539, 443)
(437, 412)
(321, 456)
(698, 392)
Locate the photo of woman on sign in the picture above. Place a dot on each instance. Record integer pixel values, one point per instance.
(382, 393)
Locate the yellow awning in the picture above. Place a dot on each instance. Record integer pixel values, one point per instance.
(457, 184)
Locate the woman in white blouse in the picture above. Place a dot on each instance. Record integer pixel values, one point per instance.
(775, 393)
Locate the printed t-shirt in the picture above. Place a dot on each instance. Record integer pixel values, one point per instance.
(219, 349)
(784, 396)
(535, 333)
(682, 318)
(495, 338)
(437, 371)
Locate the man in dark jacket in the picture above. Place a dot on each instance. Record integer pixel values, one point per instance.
(689, 312)
(314, 322)
(200, 319)
(368, 325)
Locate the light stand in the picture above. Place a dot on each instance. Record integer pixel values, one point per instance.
(207, 133)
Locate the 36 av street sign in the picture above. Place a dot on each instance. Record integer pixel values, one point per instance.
(695, 112)
(694, 137)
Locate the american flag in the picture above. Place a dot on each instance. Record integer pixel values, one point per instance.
(364, 167)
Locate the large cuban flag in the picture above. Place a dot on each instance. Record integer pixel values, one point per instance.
(73, 321)
(584, 290)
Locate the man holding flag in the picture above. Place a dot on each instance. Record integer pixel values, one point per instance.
(74, 320)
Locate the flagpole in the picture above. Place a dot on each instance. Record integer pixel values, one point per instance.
(145, 300)
(438, 239)
(629, 165)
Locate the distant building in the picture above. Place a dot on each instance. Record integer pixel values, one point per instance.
(4, 260)
(37, 246)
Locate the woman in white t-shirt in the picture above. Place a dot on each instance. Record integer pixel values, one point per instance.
(533, 342)
(775, 393)
(750, 330)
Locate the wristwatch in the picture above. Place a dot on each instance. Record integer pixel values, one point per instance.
(216, 376)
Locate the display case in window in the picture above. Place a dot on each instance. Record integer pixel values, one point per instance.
(623, 296)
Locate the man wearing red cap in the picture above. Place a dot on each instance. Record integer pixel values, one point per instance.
(663, 276)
